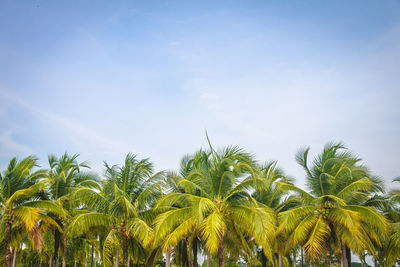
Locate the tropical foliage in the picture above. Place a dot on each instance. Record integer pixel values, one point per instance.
(221, 208)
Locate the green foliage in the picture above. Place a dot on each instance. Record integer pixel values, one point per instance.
(221, 205)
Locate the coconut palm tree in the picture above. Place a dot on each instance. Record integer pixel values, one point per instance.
(276, 198)
(20, 204)
(65, 176)
(172, 184)
(330, 218)
(389, 251)
(121, 207)
(218, 204)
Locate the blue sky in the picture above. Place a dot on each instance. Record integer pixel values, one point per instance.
(104, 78)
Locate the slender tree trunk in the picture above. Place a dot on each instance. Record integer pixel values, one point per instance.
(294, 259)
(85, 259)
(125, 250)
(302, 258)
(168, 258)
(348, 255)
(263, 259)
(129, 261)
(64, 264)
(40, 263)
(221, 254)
(91, 262)
(117, 258)
(194, 248)
(280, 262)
(189, 258)
(56, 246)
(208, 259)
(343, 260)
(74, 263)
(185, 254)
(14, 256)
(7, 252)
(50, 261)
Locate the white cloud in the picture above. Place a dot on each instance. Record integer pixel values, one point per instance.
(9, 145)
(87, 140)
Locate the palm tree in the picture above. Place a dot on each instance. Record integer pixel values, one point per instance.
(65, 176)
(330, 217)
(218, 204)
(276, 198)
(121, 207)
(20, 204)
(172, 184)
(389, 251)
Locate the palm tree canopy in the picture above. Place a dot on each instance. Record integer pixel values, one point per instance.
(21, 188)
(214, 199)
(122, 206)
(331, 213)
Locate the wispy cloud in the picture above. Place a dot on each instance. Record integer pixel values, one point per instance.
(9, 145)
(84, 136)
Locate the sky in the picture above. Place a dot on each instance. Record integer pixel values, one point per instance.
(104, 78)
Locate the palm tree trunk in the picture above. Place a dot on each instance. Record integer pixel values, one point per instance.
(280, 262)
(7, 252)
(208, 259)
(189, 258)
(50, 261)
(194, 248)
(221, 254)
(117, 258)
(56, 246)
(168, 258)
(85, 259)
(129, 261)
(91, 263)
(185, 254)
(64, 264)
(302, 258)
(125, 250)
(263, 259)
(348, 255)
(343, 260)
(294, 259)
(14, 256)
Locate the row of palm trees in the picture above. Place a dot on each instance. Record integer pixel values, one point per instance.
(222, 207)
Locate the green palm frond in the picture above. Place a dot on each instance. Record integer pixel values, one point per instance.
(307, 197)
(26, 193)
(140, 230)
(86, 221)
(179, 233)
(168, 220)
(212, 230)
(289, 219)
(111, 243)
(316, 244)
(48, 206)
(27, 215)
(364, 185)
